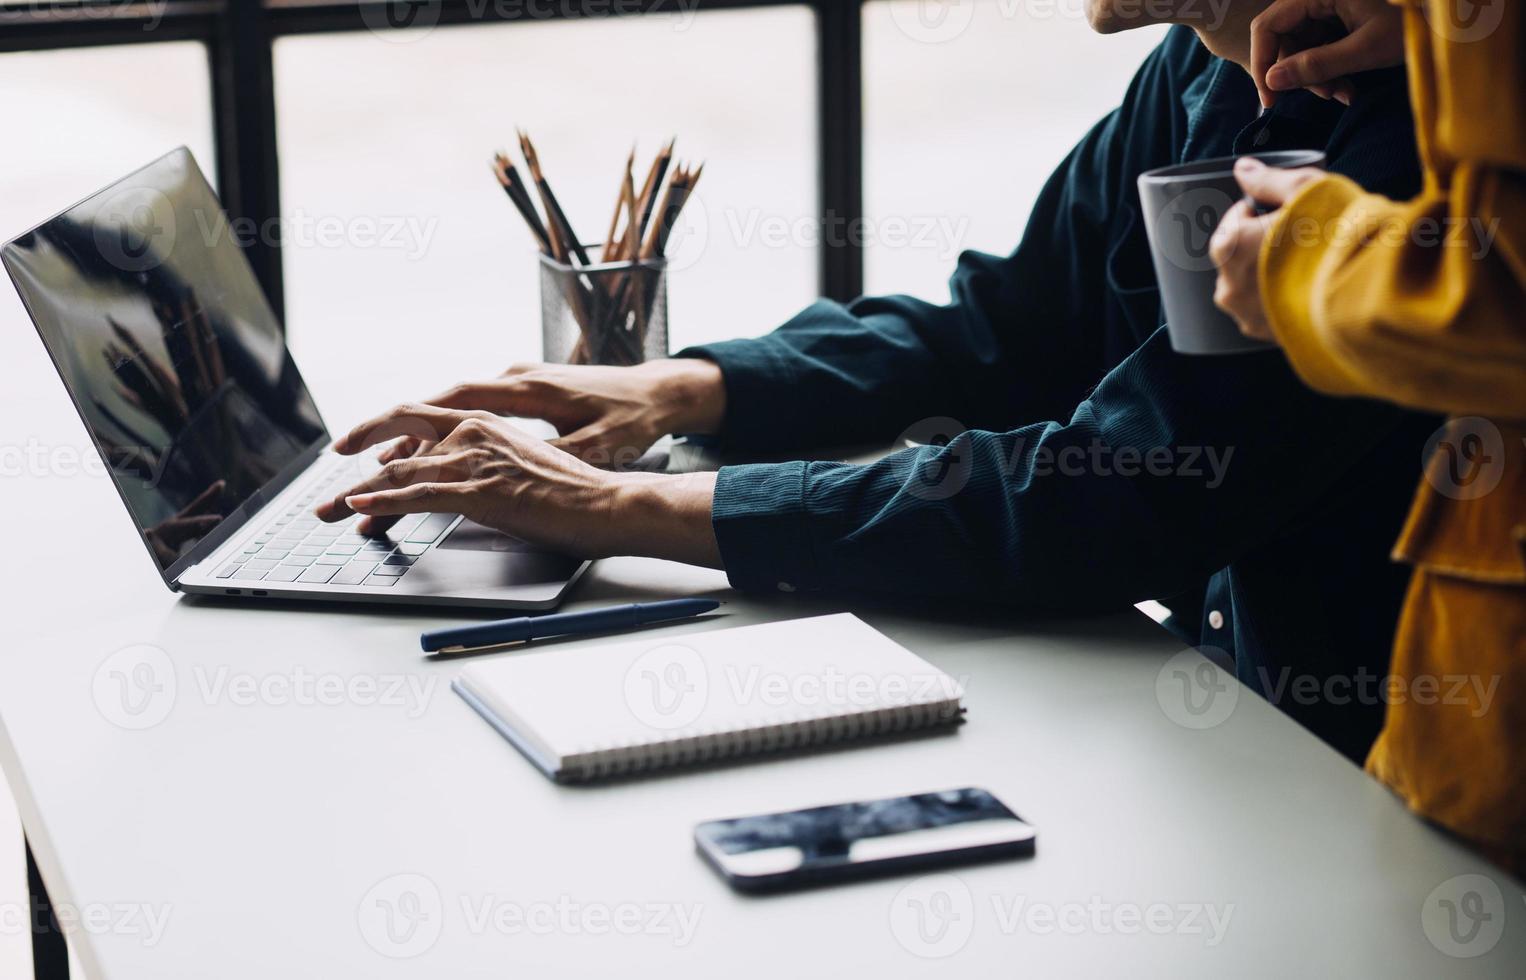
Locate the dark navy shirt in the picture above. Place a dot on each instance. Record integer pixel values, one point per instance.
(1099, 468)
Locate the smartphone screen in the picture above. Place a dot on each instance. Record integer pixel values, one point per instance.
(856, 840)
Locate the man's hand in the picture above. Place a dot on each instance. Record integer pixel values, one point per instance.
(1236, 245)
(476, 465)
(606, 416)
(1316, 44)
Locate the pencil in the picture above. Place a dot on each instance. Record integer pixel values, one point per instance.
(560, 226)
(508, 180)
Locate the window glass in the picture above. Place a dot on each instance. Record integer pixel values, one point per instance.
(387, 136)
(75, 121)
(968, 107)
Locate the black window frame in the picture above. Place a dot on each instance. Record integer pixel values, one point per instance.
(239, 36)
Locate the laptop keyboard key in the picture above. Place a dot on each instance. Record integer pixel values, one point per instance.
(381, 580)
(263, 564)
(352, 574)
(403, 560)
(286, 573)
(430, 528)
(412, 549)
(395, 571)
(249, 572)
(318, 574)
(227, 571)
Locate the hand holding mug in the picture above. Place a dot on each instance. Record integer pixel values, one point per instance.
(1236, 246)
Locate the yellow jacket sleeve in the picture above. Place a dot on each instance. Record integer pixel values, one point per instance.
(1422, 302)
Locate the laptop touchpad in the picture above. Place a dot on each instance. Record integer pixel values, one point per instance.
(471, 536)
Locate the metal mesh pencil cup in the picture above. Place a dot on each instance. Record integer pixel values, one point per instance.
(612, 313)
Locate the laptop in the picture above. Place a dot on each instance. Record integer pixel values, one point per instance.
(179, 369)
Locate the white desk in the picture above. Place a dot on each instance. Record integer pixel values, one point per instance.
(260, 829)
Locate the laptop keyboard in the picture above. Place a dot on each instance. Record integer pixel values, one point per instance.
(297, 547)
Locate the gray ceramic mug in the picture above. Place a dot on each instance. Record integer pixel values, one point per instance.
(1182, 205)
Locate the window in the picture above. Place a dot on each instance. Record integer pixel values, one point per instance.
(88, 117)
(968, 107)
(404, 141)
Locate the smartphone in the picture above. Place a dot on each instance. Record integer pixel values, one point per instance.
(826, 844)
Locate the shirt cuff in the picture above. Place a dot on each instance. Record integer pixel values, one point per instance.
(763, 529)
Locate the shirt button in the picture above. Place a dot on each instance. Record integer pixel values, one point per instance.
(785, 587)
(1216, 620)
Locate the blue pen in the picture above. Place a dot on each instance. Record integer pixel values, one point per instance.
(462, 639)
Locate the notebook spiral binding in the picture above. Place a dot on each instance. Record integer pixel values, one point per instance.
(680, 749)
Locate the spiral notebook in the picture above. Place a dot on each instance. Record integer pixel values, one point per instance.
(635, 706)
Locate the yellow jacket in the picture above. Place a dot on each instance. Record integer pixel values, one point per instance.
(1424, 303)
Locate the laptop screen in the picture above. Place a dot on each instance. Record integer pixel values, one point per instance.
(169, 349)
